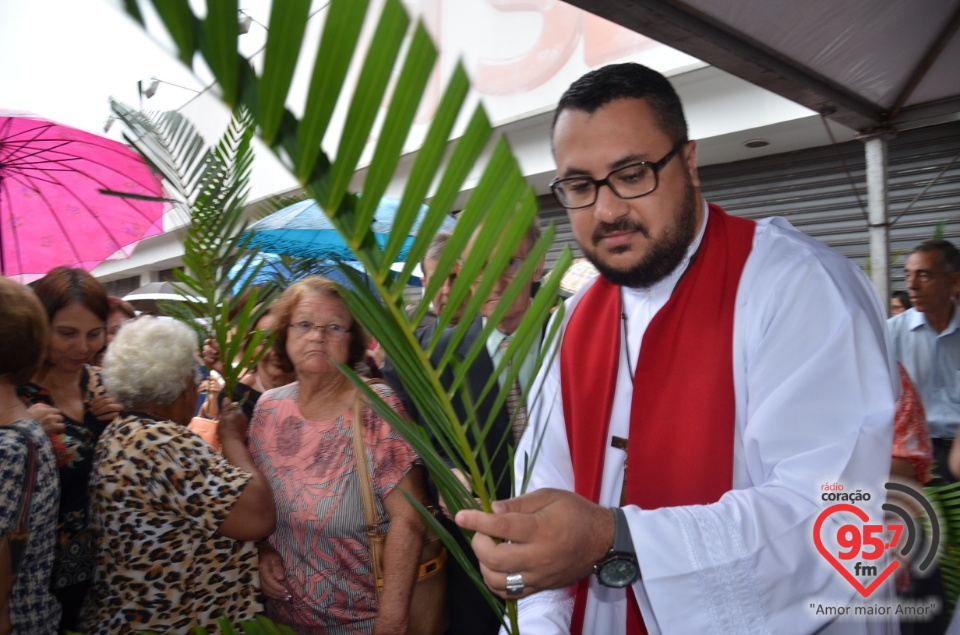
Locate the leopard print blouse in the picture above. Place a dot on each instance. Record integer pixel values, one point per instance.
(158, 495)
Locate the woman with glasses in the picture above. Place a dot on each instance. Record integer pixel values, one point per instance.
(315, 569)
(899, 302)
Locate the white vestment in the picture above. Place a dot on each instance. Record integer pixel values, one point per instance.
(815, 390)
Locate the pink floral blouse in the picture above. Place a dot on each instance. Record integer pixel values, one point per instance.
(320, 531)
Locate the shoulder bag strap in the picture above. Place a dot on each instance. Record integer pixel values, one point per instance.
(360, 453)
(19, 533)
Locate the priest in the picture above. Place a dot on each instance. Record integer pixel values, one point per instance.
(708, 385)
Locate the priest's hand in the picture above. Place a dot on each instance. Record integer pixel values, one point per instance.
(551, 537)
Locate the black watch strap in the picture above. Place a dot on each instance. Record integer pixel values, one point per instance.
(619, 568)
(622, 540)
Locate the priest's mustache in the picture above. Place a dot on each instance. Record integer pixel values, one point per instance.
(622, 224)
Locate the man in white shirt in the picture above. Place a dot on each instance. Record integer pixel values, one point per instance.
(734, 366)
(926, 340)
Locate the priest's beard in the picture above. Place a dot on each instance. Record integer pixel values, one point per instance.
(663, 255)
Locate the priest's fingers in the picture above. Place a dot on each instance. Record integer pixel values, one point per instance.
(518, 528)
(537, 561)
(555, 538)
(503, 583)
(515, 519)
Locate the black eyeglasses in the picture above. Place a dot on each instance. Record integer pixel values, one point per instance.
(630, 181)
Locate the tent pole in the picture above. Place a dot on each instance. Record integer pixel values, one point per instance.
(875, 148)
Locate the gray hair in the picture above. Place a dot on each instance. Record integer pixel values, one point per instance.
(533, 232)
(150, 361)
(949, 257)
(436, 247)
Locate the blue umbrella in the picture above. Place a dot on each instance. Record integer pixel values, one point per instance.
(303, 229)
(273, 270)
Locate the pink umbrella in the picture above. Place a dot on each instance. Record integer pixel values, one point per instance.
(53, 210)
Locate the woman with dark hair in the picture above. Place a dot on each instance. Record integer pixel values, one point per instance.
(899, 302)
(120, 312)
(66, 397)
(28, 607)
(315, 569)
(271, 372)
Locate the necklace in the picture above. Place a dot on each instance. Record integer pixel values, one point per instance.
(260, 386)
(623, 336)
(623, 312)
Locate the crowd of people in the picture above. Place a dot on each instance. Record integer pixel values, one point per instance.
(735, 365)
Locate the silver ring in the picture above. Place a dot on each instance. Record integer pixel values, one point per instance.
(514, 584)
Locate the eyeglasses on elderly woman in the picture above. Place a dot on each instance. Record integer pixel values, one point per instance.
(333, 331)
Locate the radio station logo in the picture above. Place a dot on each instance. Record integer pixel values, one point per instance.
(860, 545)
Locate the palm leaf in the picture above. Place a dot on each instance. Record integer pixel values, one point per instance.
(209, 186)
(341, 31)
(946, 503)
(497, 214)
(279, 62)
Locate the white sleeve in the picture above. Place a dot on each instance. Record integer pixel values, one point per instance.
(545, 613)
(545, 444)
(815, 400)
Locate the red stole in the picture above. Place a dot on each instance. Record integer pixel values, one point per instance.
(680, 450)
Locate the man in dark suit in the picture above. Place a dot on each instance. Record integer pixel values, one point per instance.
(470, 614)
(428, 266)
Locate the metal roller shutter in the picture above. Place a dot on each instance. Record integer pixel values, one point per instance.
(551, 212)
(811, 190)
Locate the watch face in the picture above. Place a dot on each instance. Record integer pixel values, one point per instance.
(617, 572)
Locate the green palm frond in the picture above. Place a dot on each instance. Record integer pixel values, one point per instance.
(170, 144)
(209, 185)
(382, 103)
(946, 502)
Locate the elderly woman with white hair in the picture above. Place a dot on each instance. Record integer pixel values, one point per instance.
(176, 521)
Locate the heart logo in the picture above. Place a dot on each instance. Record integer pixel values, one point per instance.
(862, 515)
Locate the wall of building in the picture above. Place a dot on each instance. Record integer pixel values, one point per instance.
(522, 55)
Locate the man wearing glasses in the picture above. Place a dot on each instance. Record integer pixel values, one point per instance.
(428, 266)
(469, 612)
(708, 383)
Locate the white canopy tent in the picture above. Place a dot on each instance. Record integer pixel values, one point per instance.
(878, 67)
